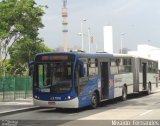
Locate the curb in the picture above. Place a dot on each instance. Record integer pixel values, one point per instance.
(19, 110)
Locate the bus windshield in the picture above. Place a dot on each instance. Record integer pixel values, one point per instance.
(56, 76)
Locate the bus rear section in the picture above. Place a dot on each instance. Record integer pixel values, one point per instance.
(145, 75)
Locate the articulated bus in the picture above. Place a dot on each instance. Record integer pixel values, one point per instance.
(75, 80)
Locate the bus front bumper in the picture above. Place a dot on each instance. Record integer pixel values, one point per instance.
(73, 103)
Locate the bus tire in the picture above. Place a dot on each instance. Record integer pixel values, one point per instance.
(149, 89)
(124, 93)
(94, 101)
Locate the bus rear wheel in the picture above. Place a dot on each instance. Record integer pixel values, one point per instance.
(94, 101)
(124, 93)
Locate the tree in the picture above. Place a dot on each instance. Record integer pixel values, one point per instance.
(23, 51)
(19, 19)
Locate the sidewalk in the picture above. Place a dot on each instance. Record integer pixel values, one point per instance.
(20, 105)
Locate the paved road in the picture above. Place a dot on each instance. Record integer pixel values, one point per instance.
(135, 108)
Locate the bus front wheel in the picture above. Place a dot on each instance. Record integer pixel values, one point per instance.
(94, 101)
(124, 93)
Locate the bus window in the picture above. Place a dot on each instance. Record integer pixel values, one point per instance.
(114, 66)
(57, 76)
(93, 70)
(41, 75)
(82, 80)
(152, 67)
(81, 70)
(86, 69)
(125, 66)
(114, 70)
(96, 62)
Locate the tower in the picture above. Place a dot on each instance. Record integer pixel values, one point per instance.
(65, 24)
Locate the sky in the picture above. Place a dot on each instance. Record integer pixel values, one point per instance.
(138, 20)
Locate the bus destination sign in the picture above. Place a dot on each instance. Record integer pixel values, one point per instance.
(54, 57)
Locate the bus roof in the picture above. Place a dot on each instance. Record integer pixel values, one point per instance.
(77, 54)
(93, 55)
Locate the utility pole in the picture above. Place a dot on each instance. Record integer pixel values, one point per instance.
(89, 40)
(82, 34)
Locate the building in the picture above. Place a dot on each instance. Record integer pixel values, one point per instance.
(147, 51)
(108, 39)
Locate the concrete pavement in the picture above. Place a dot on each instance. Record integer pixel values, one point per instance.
(20, 105)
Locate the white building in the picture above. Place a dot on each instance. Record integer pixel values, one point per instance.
(108, 39)
(147, 51)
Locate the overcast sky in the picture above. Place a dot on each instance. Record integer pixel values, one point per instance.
(138, 19)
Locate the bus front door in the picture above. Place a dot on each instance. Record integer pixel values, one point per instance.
(104, 80)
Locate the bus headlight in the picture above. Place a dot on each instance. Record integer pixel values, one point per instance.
(69, 97)
(36, 97)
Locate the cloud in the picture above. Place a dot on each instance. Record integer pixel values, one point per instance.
(135, 17)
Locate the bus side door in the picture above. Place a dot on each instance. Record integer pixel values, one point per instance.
(104, 73)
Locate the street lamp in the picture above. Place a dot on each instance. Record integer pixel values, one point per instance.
(89, 39)
(122, 37)
(82, 34)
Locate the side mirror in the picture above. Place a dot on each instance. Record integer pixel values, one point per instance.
(31, 68)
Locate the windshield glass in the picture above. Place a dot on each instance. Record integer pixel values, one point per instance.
(56, 76)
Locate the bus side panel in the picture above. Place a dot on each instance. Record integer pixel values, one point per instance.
(86, 93)
(111, 87)
(120, 80)
(152, 78)
(140, 81)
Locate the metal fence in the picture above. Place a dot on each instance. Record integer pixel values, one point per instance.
(13, 88)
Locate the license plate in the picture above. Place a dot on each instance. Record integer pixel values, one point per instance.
(45, 90)
(51, 103)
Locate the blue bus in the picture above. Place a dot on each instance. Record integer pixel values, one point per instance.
(75, 80)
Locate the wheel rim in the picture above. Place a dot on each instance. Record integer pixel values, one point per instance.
(124, 94)
(94, 101)
(149, 89)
